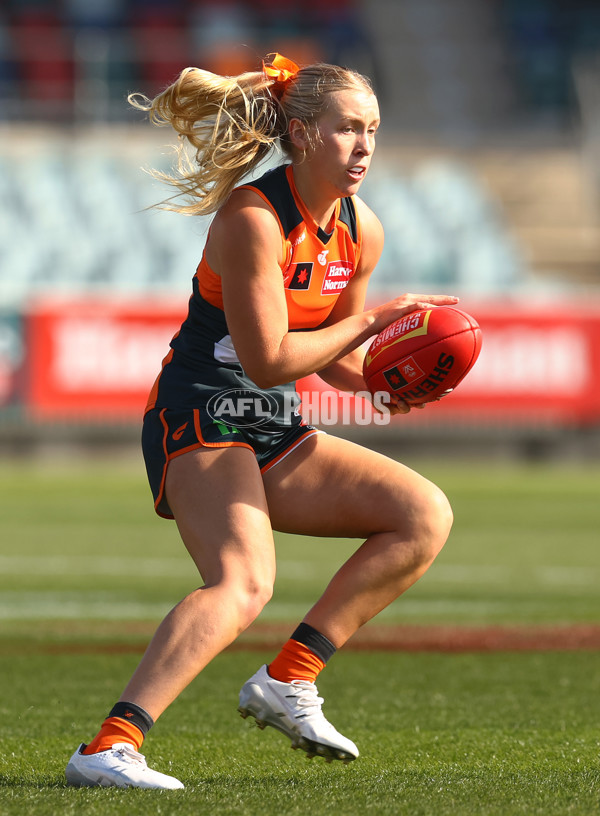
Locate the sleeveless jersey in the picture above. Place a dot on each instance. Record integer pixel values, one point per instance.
(316, 268)
(317, 265)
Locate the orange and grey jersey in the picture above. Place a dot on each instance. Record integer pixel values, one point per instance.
(317, 265)
(316, 268)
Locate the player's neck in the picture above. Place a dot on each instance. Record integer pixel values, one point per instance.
(320, 205)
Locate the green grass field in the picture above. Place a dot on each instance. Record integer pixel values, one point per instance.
(87, 570)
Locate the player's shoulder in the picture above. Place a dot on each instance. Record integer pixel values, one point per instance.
(371, 226)
(267, 199)
(367, 217)
(245, 219)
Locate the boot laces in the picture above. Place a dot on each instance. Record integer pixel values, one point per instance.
(129, 754)
(307, 697)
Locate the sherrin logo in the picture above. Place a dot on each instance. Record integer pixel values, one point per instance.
(434, 380)
(412, 325)
(242, 407)
(405, 327)
(337, 276)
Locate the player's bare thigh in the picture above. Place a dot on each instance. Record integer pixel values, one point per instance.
(218, 499)
(332, 487)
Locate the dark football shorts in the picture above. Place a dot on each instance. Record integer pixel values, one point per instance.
(170, 432)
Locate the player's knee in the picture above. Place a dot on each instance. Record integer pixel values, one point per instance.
(430, 523)
(255, 594)
(440, 519)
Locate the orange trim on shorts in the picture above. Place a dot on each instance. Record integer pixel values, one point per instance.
(168, 457)
(296, 443)
(161, 489)
(202, 443)
(228, 444)
(153, 396)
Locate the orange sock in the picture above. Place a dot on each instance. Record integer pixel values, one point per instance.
(115, 729)
(295, 662)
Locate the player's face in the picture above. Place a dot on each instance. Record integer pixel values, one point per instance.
(346, 131)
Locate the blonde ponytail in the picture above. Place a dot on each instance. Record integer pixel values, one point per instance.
(231, 124)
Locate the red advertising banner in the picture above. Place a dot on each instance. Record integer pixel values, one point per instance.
(96, 360)
(537, 363)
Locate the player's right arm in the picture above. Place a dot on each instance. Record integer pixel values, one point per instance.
(245, 249)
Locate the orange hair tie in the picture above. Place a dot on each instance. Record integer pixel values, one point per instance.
(282, 70)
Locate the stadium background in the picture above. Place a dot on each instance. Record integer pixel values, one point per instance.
(486, 179)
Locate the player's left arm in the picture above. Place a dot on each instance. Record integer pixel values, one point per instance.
(346, 374)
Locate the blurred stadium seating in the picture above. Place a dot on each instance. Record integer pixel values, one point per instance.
(486, 177)
(483, 72)
(84, 203)
(68, 60)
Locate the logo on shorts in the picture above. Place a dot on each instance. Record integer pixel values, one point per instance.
(176, 435)
(243, 408)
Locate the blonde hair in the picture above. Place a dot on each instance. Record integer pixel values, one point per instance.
(233, 123)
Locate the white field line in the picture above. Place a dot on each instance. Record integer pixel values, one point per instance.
(44, 605)
(97, 606)
(90, 565)
(87, 604)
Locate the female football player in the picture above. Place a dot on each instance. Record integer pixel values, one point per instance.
(279, 294)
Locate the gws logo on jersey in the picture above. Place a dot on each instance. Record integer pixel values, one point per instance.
(322, 257)
(301, 275)
(336, 277)
(242, 407)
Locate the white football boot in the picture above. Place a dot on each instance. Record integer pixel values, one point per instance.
(295, 710)
(119, 767)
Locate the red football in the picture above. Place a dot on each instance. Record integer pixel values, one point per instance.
(424, 355)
